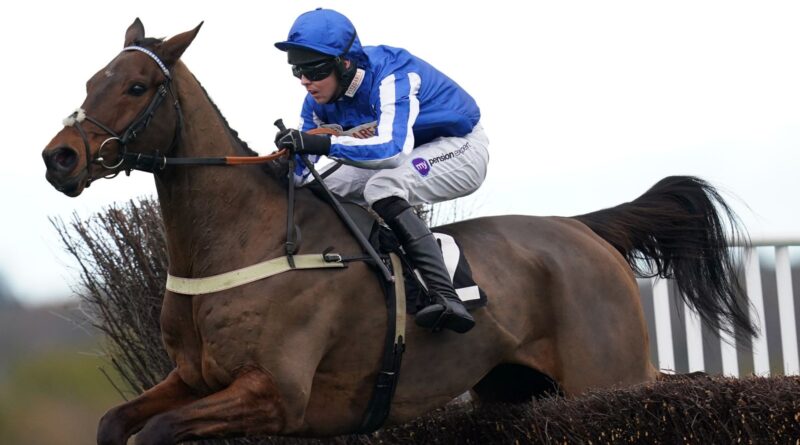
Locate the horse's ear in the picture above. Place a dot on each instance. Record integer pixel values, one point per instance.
(172, 49)
(134, 33)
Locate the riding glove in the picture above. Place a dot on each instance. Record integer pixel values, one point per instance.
(303, 143)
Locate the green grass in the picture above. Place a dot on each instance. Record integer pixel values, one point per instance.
(54, 398)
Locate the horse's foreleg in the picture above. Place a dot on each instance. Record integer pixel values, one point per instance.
(251, 405)
(119, 423)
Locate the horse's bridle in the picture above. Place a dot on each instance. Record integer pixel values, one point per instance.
(150, 163)
(130, 161)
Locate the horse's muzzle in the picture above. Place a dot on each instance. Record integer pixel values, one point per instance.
(61, 163)
(61, 160)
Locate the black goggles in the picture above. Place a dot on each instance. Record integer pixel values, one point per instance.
(315, 71)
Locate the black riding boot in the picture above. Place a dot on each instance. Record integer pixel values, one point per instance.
(447, 311)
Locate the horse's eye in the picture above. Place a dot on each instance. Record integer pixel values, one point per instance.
(137, 89)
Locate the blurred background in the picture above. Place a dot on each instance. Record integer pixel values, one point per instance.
(587, 105)
(51, 388)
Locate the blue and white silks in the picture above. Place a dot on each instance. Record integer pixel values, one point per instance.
(409, 102)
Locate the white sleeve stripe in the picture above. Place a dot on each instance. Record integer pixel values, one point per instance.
(414, 83)
(387, 95)
(317, 120)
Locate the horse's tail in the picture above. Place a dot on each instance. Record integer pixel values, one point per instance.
(677, 230)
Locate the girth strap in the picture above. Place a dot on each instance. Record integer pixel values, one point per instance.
(394, 345)
(228, 280)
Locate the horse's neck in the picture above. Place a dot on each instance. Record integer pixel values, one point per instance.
(216, 218)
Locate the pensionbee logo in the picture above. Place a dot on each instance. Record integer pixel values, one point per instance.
(422, 166)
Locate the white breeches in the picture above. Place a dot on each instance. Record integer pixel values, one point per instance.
(443, 169)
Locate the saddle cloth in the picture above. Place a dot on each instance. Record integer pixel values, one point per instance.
(460, 274)
(384, 241)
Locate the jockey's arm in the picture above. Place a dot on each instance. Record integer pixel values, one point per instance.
(398, 108)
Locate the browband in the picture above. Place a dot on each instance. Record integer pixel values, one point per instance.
(152, 56)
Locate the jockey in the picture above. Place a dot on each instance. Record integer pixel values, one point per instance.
(406, 135)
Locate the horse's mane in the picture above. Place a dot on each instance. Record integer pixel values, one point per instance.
(246, 148)
(276, 169)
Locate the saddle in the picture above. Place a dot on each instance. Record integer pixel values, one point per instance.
(384, 241)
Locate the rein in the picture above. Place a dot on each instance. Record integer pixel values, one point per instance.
(151, 163)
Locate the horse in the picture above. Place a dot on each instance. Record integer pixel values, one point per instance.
(298, 353)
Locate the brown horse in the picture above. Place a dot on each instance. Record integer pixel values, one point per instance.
(298, 353)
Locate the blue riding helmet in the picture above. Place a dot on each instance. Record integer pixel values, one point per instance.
(326, 32)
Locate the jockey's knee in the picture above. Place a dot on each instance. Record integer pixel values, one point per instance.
(389, 208)
(380, 187)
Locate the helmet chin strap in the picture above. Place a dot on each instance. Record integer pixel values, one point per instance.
(345, 77)
(344, 74)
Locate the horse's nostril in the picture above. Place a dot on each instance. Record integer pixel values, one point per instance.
(62, 159)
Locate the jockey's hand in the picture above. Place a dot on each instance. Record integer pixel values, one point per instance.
(299, 142)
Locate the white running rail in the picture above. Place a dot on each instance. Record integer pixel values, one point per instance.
(753, 287)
